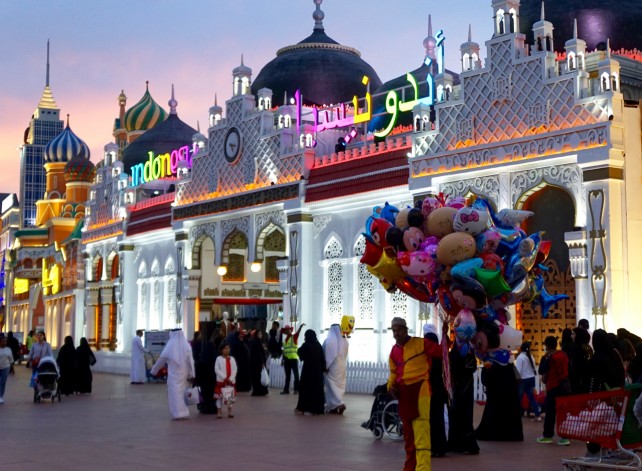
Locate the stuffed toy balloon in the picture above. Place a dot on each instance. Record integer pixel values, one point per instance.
(347, 325)
(465, 325)
(492, 281)
(471, 221)
(455, 247)
(372, 253)
(376, 229)
(509, 339)
(388, 212)
(419, 265)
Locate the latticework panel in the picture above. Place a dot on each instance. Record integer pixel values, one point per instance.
(335, 292)
(560, 316)
(513, 99)
(236, 268)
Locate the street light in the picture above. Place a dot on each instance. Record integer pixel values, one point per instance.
(221, 270)
(255, 267)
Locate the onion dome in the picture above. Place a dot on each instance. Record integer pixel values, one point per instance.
(168, 135)
(597, 20)
(145, 114)
(80, 169)
(325, 71)
(65, 146)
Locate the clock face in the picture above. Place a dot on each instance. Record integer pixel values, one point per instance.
(232, 145)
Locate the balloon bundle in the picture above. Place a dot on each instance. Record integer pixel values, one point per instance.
(467, 259)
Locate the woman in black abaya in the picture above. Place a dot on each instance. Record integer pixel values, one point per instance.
(501, 420)
(257, 363)
(67, 366)
(84, 359)
(311, 393)
(239, 350)
(461, 433)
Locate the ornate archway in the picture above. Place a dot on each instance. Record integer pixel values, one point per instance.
(555, 215)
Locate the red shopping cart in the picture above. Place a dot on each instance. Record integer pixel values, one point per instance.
(598, 418)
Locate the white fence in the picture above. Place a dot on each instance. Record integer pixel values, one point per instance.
(364, 376)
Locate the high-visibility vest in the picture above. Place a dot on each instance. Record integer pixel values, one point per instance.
(290, 349)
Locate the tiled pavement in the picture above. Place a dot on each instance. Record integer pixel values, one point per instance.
(127, 427)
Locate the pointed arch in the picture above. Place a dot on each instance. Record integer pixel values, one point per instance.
(197, 250)
(234, 255)
(334, 247)
(113, 262)
(270, 246)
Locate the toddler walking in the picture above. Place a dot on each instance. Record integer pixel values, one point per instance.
(225, 391)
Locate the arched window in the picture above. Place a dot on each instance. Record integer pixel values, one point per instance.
(335, 277)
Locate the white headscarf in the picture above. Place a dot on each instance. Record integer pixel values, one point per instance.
(177, 348)
(334, 344)
(430, 328)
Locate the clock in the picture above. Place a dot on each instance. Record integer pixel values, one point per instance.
(232, 145)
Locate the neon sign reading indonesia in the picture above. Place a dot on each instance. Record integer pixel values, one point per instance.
(337, 117)
(162, 165)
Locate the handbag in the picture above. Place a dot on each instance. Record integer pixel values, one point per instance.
(227, 394)
(265, 377)
(192, 396)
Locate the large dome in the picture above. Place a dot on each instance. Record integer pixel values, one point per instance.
(65, 146)
(597, 21)
(325, 71)
(165, 137)
(80, 169)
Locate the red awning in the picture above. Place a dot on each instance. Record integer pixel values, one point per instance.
(247, 301)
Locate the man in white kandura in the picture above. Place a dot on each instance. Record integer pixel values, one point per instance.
(137, 375)
(336, 357)
(177, 355)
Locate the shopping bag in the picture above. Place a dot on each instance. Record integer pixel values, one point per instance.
(192, 396)
(228, 395)
(265, 377)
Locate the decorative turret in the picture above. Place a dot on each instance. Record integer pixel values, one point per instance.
(216, 113)
(80, 169)
(543, 34)
(242, 79)
(470, 53)
(506, 14)
(120, 133)
(608, 71)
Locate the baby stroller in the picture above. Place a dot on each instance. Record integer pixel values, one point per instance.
(45, 380)
(384, 416)
(150, 359)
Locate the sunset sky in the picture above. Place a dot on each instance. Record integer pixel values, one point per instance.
(101, 47)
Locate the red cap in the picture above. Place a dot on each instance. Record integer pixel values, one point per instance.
(287, 327)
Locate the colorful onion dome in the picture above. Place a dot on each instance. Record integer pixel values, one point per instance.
(65, 146)
(80, 169)
(145, 114)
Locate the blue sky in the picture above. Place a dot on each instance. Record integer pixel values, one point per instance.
(101, 47)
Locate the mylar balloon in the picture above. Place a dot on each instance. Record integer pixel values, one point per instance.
(372, 254)
(492, 281)
(466, 268)
(465, 325)
(413, 289)
(419, 265)
(447, 303)
(510, 218)
(509, 338)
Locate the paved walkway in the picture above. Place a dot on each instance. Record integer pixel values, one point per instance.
(127, 427)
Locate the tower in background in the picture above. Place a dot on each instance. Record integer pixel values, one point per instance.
(45, 125)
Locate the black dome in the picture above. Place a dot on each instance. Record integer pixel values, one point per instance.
(597, 21)
(164, 137)
(325, 71)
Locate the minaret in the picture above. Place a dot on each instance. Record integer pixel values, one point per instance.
(470, 53)
(44, 126)
(120, 133)
(543, 34)
(575, 62)
(242, 79)
(608, 71)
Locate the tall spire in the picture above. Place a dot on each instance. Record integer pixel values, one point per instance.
(575, 29)
(47, 79)
(429, 24)
(470, 33)
(318, 16)
(47, 99)
(543, 17)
